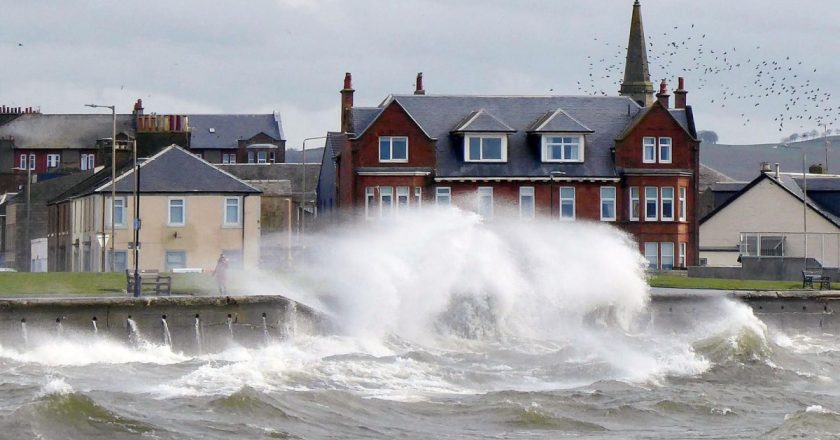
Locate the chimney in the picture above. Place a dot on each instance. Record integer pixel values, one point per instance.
(418, 87)
(765, 167)
(679, 94)
(778, 171)
(347, 104)
(138, 107)
(663, 95)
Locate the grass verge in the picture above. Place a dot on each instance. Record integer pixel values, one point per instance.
(682, 282)
(105, 284)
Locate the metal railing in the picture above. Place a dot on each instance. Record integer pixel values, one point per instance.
(824, 247)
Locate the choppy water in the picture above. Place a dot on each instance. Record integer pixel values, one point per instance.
(446, 328)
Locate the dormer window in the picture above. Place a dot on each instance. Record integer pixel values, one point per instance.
(393, 149)
(485, 148)
(562, 148)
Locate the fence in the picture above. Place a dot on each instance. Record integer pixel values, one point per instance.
(824, 247)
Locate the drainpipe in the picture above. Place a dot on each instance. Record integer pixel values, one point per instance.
(242, 259)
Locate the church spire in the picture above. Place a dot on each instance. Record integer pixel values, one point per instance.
(636, 84)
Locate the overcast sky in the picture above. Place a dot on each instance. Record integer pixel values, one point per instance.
(198, 56)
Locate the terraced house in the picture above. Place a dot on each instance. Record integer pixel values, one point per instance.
(630, 160)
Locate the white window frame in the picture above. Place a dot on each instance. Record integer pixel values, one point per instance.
(183, 211)
(655, 201)
(119, 204)
(481, 193)
(683, 247)
(225, 220)
(88, 161)
(91, 161)
(648, 141)
(390, 140)
(566, 199)
(53, 160)
(547, 144)
(386, 191)
(652, 252)
(443, 193)
(32, 161)
(22, 163)
(683, 204)
(635, 200)
(666, 143)
(228, 158)
(662, 200)
(609, 200)
(526, 192)
(251, 158)
(482, 137)
(662, 255)
(262, 157)
(166, 259)
(418, 197)
(402, 193)
(370, 200)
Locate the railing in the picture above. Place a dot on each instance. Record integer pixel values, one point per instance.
(824, 247)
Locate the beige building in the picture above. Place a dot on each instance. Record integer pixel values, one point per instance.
(190, 212)
(768, 219)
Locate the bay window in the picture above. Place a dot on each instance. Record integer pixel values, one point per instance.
(651, 202)
(607, 203)
(668, 204)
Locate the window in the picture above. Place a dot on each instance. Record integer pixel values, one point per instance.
(682, 204)
(682, 255)
(22, 163)
(665, 150)
(175, 260)
(119, 211)
(652, 255)
(402, 199)
(634, 203)
(667, 255)
(262, 157)
(250, 157)
(651, 195)
(668, 204)
(120, 259)
(567, 203)
(759, 245)
(486, 148)
(485, 202)
(229, 158)
(443, 196)
(526, 202)
(607, 203)
(31, 161)
(176, 212)
(649, 150)
(393, 149)
(418, 197)
(370, 201)
(271, 156)
(88, 161)
(562, 149)
(53, 160)
(232, 211)
(386, 201)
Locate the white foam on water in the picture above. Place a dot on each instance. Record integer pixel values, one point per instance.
(56, 385)
(80, 351)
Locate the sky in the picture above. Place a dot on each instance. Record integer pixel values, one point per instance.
(198, 56)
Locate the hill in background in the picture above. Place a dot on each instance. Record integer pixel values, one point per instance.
(743, 162)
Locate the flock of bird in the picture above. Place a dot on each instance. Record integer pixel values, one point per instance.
(745, 80)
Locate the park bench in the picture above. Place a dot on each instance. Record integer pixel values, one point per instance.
(809, 277)
(150, 281)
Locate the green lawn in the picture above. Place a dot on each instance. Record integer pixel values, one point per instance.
(713, 283)
(106, 284)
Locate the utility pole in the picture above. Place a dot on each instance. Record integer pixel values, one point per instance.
(113, 176)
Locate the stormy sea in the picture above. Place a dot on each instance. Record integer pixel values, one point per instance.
(443, 327)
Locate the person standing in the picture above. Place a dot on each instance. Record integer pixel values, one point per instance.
(221, 274)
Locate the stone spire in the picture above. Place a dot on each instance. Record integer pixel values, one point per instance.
(636, 84)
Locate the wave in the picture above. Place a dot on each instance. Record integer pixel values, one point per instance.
(812, 422)
(82, 351)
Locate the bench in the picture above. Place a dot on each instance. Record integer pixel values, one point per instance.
(809, 277)
(151, 281)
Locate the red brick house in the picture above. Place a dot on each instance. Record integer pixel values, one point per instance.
(629, 160)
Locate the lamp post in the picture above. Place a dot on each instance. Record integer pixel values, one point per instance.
(303, 186)
(136, 223)
(804, 202)
(551, 191)
(825, 141)
(113, 173)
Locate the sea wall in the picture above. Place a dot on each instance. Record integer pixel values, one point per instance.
(194, 323)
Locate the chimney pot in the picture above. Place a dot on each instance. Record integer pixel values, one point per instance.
(680, 94)
(348, 81)
(418, 89)
(347, 104)
(778, 170)
(663, 95)
(765, 167)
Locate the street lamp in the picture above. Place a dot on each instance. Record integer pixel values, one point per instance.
(825, 141)
(136, 223)
(113, 175)
(303, 187)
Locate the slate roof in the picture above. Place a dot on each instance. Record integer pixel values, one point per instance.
(438, 115)
(558, 121)
(482, 121)
(45, 190)
(728, 186)
(292, 172)
(42, 131)
(333, 144)
(363, 117)
(228, 129)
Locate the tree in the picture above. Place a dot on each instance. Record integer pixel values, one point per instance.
(793, 137)
(708, 136)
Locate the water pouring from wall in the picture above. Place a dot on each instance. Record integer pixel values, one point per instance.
(167, 336)
(95, 326)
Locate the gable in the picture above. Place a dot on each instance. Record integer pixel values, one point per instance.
(660, 119)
